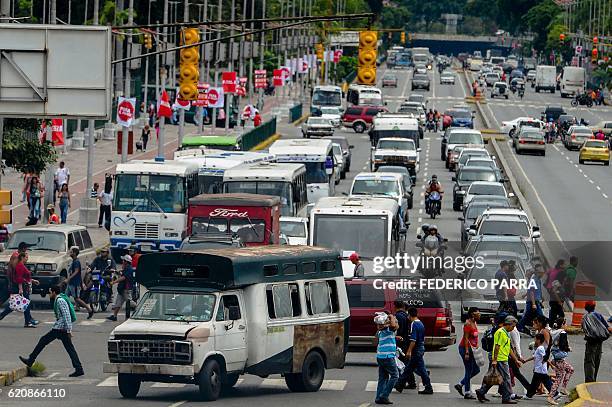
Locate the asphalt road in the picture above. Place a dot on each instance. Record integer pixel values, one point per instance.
(352, 386)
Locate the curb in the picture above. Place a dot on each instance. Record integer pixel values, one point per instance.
(584, 396)
(266, 143)
(301, 119)
(11, 376)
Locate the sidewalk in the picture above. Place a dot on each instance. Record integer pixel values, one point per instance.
(593, 394)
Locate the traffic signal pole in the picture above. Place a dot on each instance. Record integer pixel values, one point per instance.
(126, 91)
(181, 129)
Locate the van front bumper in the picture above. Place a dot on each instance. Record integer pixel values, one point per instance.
(150, 369)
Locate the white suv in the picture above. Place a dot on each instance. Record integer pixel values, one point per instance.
(505, 221)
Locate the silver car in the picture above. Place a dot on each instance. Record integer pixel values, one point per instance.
(317, 126)
(529, 139)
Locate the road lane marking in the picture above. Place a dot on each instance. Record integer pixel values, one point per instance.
(420, 211)
(591, 181)
(335, 385)
(178, 403)
(605, 196)
(437, 387)
(111, 381)
(419, 220)
(598, 188)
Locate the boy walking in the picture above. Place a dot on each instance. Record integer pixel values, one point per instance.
(416, 351)
(540, 371)
(385, 357)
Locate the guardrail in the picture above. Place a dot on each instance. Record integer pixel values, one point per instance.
(258, 135)
(295, 113)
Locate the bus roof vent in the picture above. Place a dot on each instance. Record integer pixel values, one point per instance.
(353, 202)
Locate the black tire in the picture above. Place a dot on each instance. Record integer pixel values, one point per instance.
(537, 90)
(456, 206)
(589, 103)
(310, 378)
(581, 161)
(607, 163)
(210, 381)
(128, 385)
(359, 127)
(506, 97)
(43, 294)
(574, 102)
(343, 175)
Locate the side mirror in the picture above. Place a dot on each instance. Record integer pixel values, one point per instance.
(511, 195)
(454, 179)
(535, 228)
(234, 313)
(472, 227)
(351, 146)
(536, 235)
(373, 148)
(505, 180)
(419, 150)
(461, 218)
(472, 232)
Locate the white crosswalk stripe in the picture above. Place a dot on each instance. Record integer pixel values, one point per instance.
(337, 385)
(169, 385)
(110, 381)
(437, 387)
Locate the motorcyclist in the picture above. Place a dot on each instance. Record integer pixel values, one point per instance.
(432, 231)
(583, 122)
(600, 135)
(437, 118)
(432, 186)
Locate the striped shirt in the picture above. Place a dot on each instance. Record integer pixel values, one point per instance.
(93, 194)
(64, 321)
(386, 344)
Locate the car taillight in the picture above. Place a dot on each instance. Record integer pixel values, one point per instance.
(521, 141)
(573, 137)
(441, 320)
(541, 142)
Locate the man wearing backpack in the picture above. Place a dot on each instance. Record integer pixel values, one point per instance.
(62, 330)
(596, 331)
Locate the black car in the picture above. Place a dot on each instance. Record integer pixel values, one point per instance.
(475, 209)
(464, 179)
(553, 112)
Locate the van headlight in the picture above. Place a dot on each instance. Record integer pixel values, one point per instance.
(121, 233)
(171, 234)
(182, 351)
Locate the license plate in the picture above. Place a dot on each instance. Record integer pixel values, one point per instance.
(95, 277)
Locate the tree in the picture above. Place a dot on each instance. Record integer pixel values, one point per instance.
(26, 154)
(539, 19)
(602, 76)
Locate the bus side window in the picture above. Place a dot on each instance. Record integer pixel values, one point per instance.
(283, 301)
(322, 297)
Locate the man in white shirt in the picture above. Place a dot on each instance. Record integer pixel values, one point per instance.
(62, 176)
(105, 209)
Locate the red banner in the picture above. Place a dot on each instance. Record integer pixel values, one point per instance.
(202, 100)
(278, 77)
(57, 132)
(260, 79)
(228, 80)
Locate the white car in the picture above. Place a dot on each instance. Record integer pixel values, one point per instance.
(485, 188)
(447, 77)
(333, 114)
(506, 126)
(295, 230)
(509, 221)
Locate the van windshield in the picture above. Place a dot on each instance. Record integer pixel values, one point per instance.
(172, 306)
(375, 187)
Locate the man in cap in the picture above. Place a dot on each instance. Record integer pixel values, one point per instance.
(358, 271)
(124, 286)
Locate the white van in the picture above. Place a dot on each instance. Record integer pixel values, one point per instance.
(364, 95)
(573, 81)
(395, 125)
(208, 318)
(546, 78)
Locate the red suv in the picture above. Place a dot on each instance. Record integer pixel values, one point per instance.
(365, 300)
(360, 117)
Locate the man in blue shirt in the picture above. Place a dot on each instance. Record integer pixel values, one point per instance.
(75, 281)
(416, 351)
(533, 305)
(385, 356)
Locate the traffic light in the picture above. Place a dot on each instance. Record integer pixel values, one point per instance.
(189, 70)
(6, 199)
(320, 52)
(148, 41)
(595, 40)
(594, 55)
(561, 38)
(403, 37)
(366, 68)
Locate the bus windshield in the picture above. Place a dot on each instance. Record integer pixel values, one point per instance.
(150, 193)
(327, 98)
(275, 188)
(366, 235)
(211, 184)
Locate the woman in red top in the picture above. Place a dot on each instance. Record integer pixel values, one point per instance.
(469, 341)
(21, 283)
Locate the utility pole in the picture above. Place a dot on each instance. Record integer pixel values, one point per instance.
(252, 46)
(181, 130)
(127, 88)
(5, 10)
(231, 67)
(119, 52)
(218, 54)
(203, 74)
(146, 78)
(262, 48)
(163, 73)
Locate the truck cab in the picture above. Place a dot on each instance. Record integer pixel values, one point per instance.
(209, 317)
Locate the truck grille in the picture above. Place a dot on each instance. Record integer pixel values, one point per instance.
(146, 231)
(149, 351)
(395, 158)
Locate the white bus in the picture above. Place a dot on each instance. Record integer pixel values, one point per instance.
(573, 81)
(285, 180)
(366, 225)
(364, 95)
(150, 204)
(317, 155)
(326, 96)
(214, 163)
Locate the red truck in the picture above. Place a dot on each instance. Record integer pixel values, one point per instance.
(253, 218)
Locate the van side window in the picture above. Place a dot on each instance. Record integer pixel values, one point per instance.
(226, 302)
(86, 239)
(283, 301)
(328, 265)
(270, 270)
(289, 269)
(309, 267)
(321, 297)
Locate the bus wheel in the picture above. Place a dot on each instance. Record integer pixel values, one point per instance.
(230, 381)
(209, 381)
(311, 377)
(128, 385)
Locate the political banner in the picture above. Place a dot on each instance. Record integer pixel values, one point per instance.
(260, 78)
(215, 97)
(125, 111)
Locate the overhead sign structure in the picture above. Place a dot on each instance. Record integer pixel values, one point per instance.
(346, 38)
(55, 71)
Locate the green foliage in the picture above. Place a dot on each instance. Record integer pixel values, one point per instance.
(395, 17)
(27, 154)
(602, 76)
(538, 20)
(344, 67)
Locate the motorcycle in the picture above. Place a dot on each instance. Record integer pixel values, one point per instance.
(582, 100)
(521, 92)
(101, 292)
(513, 89)
(435, 204)
(432, 255)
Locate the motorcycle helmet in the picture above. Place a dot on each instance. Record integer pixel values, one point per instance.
(425, 228)
(433, 227)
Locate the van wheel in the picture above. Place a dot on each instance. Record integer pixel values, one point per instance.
(311, 377)
(209, 381)
(128, 385)
(359, 127)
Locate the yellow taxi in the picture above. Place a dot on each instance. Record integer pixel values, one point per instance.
(595, 150)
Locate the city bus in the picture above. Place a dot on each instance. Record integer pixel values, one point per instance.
(364, 95)
(368, 226)
(231, 142)
(150, 204)
(214, 163)
(317, 155)
(326, 96)
(285, 180)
